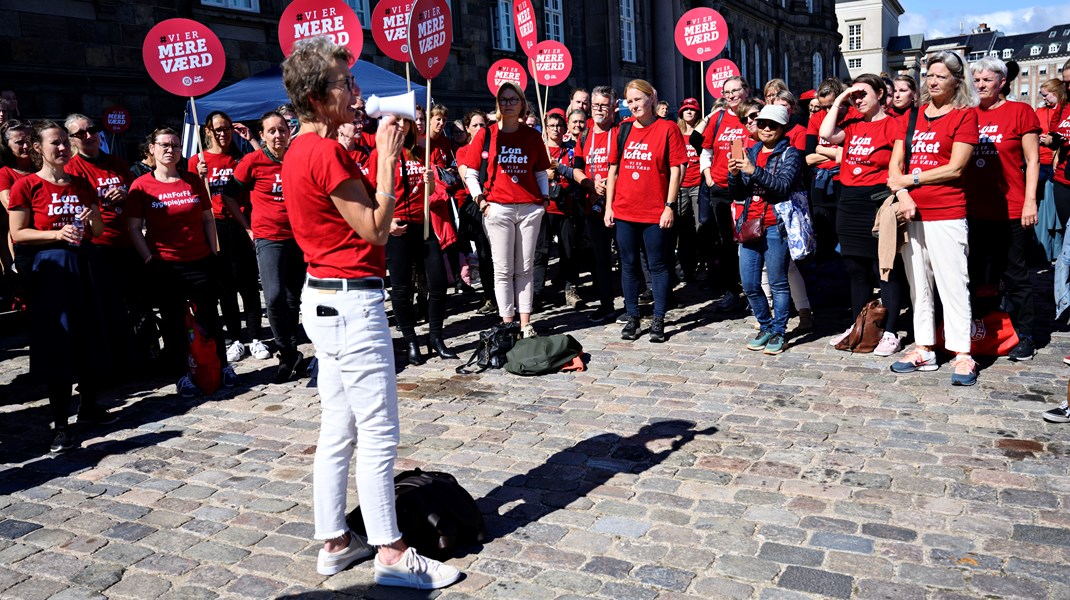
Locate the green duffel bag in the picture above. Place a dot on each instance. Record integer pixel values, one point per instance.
(541, 355)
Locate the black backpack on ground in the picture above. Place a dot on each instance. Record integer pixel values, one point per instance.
(435, 514)
(494, 344)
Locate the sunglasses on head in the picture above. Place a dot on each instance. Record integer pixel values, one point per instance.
(85, 133)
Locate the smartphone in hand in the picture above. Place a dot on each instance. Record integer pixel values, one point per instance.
(737, 149)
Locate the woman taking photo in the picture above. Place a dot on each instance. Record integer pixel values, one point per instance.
(236, 255)
(53, 216)
(171, 224)
(282, 268)
(342, 223)
(1001, 202)
(641, 193)
(932, 199)
(512, 202)
(408, 253)
(867, 142)
(766, 175)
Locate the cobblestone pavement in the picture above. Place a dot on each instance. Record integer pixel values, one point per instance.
(692, 469)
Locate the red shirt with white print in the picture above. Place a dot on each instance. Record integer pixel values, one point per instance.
(173, 215)
(104, 173)
(261, 175)
(514, 159)
(797, 137)
(315, 167)
(813, 127)
(931, 148)
(995, 176)
(51, 206)
(642, 183)
(730, 129)
(693, 173)
(409, 206)
(220, 169)
(1044, 116)
(867, 150)
(758, 206)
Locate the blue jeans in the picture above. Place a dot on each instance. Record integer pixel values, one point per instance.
(656, 241)
(772, 251)
(282, 273)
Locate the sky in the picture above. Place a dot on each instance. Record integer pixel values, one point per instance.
(941, 19)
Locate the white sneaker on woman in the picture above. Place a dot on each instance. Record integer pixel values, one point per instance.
(415, 571)
(235, 351)
(888, 345)
(330, 563)
(259, 350)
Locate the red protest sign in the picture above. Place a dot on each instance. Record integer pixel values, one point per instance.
(304, 19)
(390, 28)
(506, 70)
(430, 36)
(701, 34)
(524, 23)
(183, 57)
(116, 119)
(552, 63)
(719, 71)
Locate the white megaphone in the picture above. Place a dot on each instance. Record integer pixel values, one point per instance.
(402, 105)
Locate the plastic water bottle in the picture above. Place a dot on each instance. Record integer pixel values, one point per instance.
(80, 226)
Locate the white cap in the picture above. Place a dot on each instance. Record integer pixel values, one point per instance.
(775, 113)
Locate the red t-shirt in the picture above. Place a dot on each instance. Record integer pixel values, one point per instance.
(931, 149)
(107, 172)
(1062, 126)
(409, 207)
(757, 202)
(360, 155)
(8, 177)
(514, 159)
(797, 137)
(261, 176)
(642, 183)
(1044, 116)
(813, 127)
(441, 151)
(220, 168)
(172, 214)
(563, 155)
(867, 150)
(693, 173)
(315, 167)
(51, 206)
(595, 153)
(995, 180)
(731, 129)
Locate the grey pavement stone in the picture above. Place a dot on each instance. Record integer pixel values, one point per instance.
(839, 541)
(13, 529)
(791, 554)
(621, 526)
(748, 568)
(138, 585)
(624, 591)
(664, 577)
(98, 576)
(889, 532)
(215, 552)
(252, 586)
(889, 590)
(78, 593)
(36, 588)
(1007, 586)
(817, 582)
(1041, 535)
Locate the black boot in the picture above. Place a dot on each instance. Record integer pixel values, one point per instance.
(413, 353)
(435, 345)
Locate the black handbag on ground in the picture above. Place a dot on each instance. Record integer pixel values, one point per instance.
(494, 344)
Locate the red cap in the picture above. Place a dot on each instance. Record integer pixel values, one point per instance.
(807, 95)
(688, 103)
(557, 111)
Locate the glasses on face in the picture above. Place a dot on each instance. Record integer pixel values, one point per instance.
(554, 126)
(600, 107)
(508, 100)
(85, 133)
(748, 118)
(223, 129)
(766, 124)
(167, 147)
(348, 82)
(733, 91)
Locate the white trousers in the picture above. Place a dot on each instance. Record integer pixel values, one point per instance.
(513, 231)
(935, 261)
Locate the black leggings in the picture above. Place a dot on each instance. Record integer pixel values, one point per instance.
(1062, 202)
(177, 283)
(864, 272)
(239, 276)
(403, 253)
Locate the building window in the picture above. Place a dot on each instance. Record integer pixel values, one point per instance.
(854, 63)
(819, 69)
(1025, 90)
(1053, 48)
(1034, 51)
(787, 71)
(555, 29)
(627, 30)
(361, 8)
(757, 64)
(1025, 70)
(501, 23)
(1066, 32)
(1042, 70)
(1007, 53)
(246, 5)
(810, 6)
(743, 60)
(1051, 34)
(768, 64)
(854, 36)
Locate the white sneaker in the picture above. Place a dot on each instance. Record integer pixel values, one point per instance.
(528, 332)
(888, 345)
(415, 571)
(259, 350)
(330, 563)
(235, 351)
(836, 339)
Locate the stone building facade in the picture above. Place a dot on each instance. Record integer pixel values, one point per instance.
(63, 56)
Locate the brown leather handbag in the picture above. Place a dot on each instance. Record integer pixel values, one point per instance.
(867, 330)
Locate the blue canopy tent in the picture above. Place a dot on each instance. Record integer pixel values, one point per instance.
(252, 97)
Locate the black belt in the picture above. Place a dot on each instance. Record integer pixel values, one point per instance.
(364, 283)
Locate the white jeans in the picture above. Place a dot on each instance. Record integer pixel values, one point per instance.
(359, 407)
(513, 231)
(937, 254)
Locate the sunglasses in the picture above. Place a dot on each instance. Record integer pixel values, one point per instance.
(509, 101)
(748, 118)
(85, 133)
(766, 124)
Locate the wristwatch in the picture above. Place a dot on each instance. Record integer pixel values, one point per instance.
(917, 179)
(669, 204)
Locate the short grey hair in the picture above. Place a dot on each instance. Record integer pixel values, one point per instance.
(74, 118)
(606, 91)
(306, 73)
(989, 63)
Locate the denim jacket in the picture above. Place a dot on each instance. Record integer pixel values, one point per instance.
(779, 177)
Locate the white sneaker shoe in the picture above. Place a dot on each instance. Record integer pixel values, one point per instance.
(836, 339)
(235, 351)
(415, 571)
(330, 563)
(259, 350)
(888, 345)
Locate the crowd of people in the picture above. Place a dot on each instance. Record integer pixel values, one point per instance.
(332, 213)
